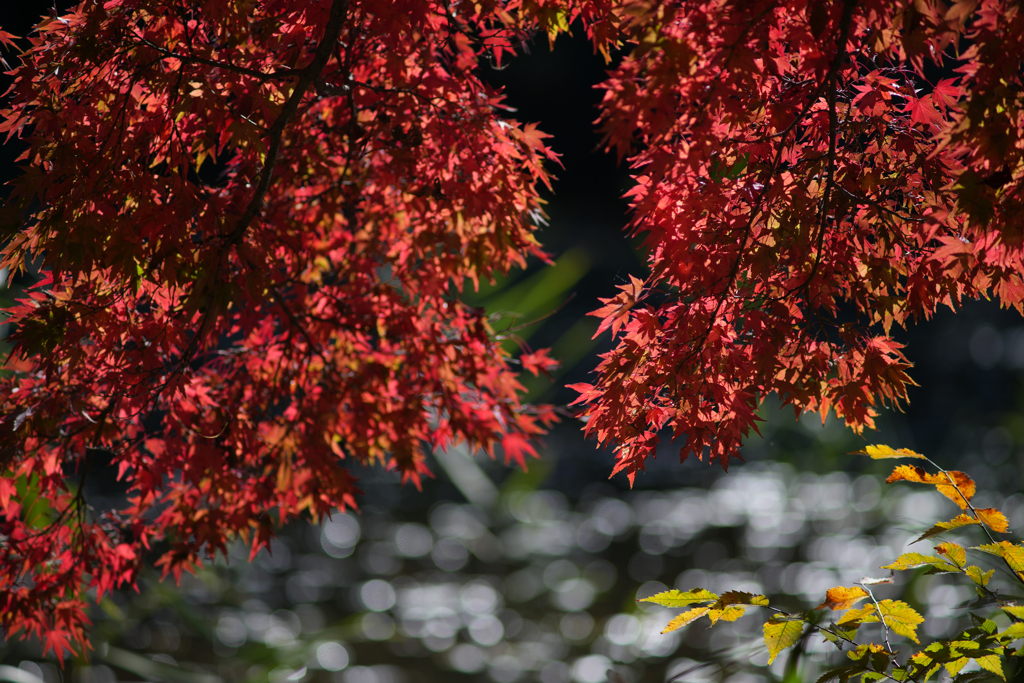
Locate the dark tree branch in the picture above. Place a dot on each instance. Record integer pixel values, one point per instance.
(310, 74)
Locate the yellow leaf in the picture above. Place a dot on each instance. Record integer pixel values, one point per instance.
(955, 553)
(956, 486)
(991, 663)
(882, 452)
(840, 598)
(730, 613)
(954, 667)
(1015, 610)
(780, 634)
(994, 519)
(1013, 554)
(685, 618)
(865, 614)
(979, 577)
(955, 523)
(900, 617)
(676, 598)
(912, 561)
(1016, 630)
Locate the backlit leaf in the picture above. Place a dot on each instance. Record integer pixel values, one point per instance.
(956, 553)
(865, 614)
(994, 519)
(955, 523)
(840, 597)
(781, 633)
(1015, 610)
(730, 613)
(677, 598)
(1013, 554)
(912, 561)
(991, 663)
(882, 451)
(685, 618)
(956, 486)
(900, 617)
(978, 576)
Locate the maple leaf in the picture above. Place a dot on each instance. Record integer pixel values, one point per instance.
(538, 362)
(616, 309)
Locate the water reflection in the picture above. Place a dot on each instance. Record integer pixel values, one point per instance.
(542, 588)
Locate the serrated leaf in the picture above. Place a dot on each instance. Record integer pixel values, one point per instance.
(780, 634)
(685, 618)
(843, 673)
(741, 598)
(974, 677)
(883, 452)
(955, 523)
(841, 597)
(900, 617)
(991, 663)
(1015, 631)
(730, 613)
(866, 614)
(913, 561)
(1015, 610)
(956, 553)
(677, 598)
(978, 576)
(994, 519)
(954, 667)
(956, 486)
(1013, 554)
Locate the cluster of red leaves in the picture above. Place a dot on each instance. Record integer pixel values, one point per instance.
(808, 173)
(255, 219)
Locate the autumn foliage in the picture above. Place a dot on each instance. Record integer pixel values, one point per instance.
(848, 609)
(255, 218)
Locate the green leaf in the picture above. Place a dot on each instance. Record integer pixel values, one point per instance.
(780, 633)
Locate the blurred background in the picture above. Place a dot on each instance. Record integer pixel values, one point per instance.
(495, 574)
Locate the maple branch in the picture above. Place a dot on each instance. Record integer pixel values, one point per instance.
(312, 71)
(832, 77)
(227, 66)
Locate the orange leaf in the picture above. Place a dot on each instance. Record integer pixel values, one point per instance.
(840, 597)
(993, 519)
(956, 486)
